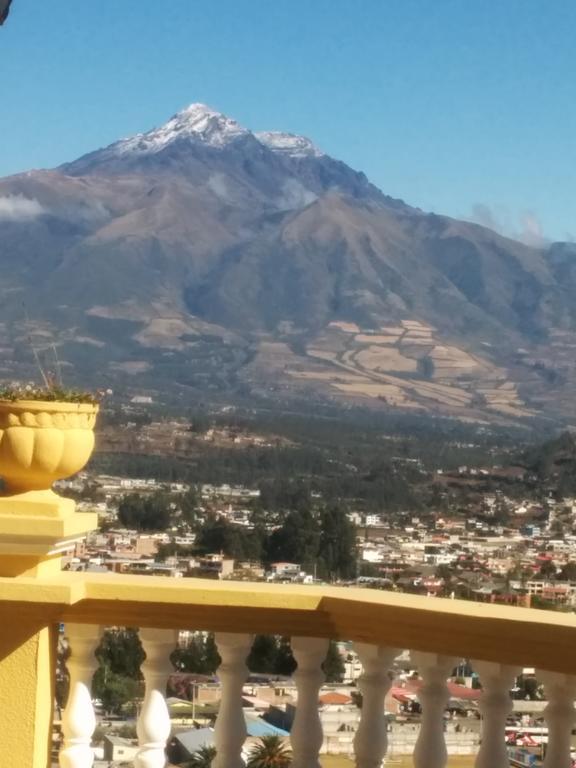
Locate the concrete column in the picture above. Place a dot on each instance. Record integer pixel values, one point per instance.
(35, 529)
(27, 664)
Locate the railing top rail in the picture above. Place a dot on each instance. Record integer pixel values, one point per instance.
(509, 635)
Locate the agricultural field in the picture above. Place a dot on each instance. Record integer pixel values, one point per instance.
(407, 365)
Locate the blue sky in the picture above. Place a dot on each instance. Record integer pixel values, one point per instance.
(465, 107)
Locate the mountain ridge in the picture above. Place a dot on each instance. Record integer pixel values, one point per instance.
(200, 255)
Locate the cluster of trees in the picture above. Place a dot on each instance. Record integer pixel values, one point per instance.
(269, 655)
(320, 538)
(341, 456)
(322, 541)
(145, 513)
(155, 512)
(547, 570)
(118, 681)
(218, 535)
(370, 480)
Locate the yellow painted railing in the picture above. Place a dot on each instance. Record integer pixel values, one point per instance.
(437, 631)
(507, 635)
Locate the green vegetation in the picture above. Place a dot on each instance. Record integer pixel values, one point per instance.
(272, 655)
(317, 536)
(202, 758)
(199, 656)
(554, 463)
(368, 460)
(218, 535)
(145, 513)
(51, 393)
(118, 680)
(333, 665)
(269, 752)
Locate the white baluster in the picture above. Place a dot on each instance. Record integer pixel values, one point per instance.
(430, 750)
(306, 735)
(154, 721)
(79, 720)
(230, 728)
(371, 740)
(559, 715)
(495, 705)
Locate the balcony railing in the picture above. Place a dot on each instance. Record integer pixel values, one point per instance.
(439, 633)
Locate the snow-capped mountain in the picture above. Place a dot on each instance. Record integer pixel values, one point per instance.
(286, 171)
(200, 126)
(196, 123)
(288, 144)
(204, 125)
(191, 250)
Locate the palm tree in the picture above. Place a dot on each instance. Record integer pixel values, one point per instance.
(271, 752)
(202, 758)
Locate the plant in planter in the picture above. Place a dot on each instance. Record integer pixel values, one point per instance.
(46, 434)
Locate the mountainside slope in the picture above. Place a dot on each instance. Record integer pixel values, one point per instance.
(205, 255)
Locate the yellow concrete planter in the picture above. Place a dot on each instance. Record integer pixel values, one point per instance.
(43, 441)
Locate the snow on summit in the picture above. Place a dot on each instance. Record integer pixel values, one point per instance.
(197, 123)
(288, 144)
(204, 125)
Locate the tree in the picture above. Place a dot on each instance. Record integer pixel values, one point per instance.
(337, 545)
(202, 758)
(548, 569)
(568, 572)
(118, 680)
(263, 654)
(145, 513)
(282, 495)
(285, 661)
(444, 571)
(270, 752)
(528, 688)
(115, 691)
(191, 657)
(211, 655)
(200, 656)
(188, 503)
(333, 665)
(218, 535)
(121, 650)
(296, 541)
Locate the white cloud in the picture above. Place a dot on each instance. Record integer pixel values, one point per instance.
(295, 195)
(85, 212)
(525, 226)
(531, 229)
(19, 208)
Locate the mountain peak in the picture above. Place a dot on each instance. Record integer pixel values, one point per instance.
(201, 124)
(286, 167)
(288, 144)
(197, 122)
